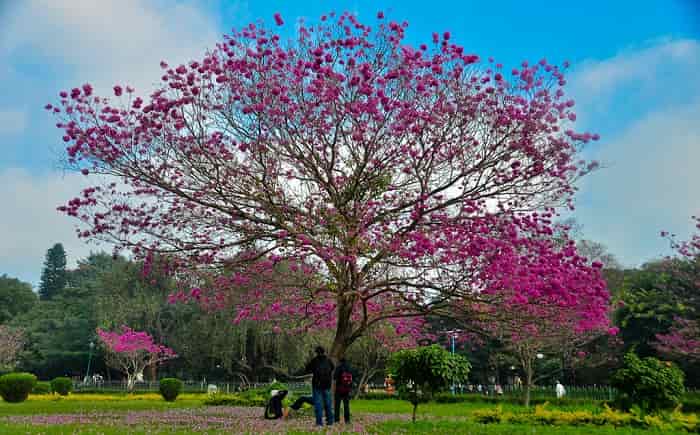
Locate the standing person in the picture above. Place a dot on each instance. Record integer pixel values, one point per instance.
(343, 388)
(322, 369)
(560, 390)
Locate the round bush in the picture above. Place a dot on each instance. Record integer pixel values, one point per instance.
(648, 383)
(62, 386)
(42, 388)
(15, 387)
(170, 388)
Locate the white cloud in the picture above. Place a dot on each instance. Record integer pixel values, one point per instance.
(661, 71)
(647, 100)
(30, 224)
(12, 121)
(601, 77)
(109, 41)
(650, 183)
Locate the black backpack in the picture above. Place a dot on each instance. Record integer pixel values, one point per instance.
(323, 378)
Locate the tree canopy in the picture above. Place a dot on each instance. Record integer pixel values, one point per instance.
(398, 179)
(53, 276)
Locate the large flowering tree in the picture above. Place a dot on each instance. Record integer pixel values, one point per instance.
(395, 179)
(132, 351)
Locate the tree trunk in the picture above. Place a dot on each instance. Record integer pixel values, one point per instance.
(343, 330)
(528, 382)
(152, 372)
(130, 382)
(415, 407)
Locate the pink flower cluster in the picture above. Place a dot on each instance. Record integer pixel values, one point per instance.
(681, 342)
(129, 341)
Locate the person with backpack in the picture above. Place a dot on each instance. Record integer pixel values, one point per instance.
(322, 369)
(343, 388)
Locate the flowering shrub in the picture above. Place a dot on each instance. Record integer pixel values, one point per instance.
(648, 383)
(607, 417)
(15, 387)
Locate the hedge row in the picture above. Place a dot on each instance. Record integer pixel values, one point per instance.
(675, 420)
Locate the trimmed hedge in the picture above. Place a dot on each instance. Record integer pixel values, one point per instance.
(15, 387)
(42, 387)
(235, 400)
(480, 398)
(675, 420)
(377, 396)
(61, 385)
(170, 388)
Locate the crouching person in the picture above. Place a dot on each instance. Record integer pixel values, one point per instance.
(274, 409)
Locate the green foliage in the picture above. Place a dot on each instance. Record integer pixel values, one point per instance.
(42, 387)
(61, 385)
(648, 383)
(53, 276)
(58, 334)
(421, 372)
(170, 388)
(16, 297)
(15, 387)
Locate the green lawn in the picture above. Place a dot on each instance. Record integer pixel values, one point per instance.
(150, 415)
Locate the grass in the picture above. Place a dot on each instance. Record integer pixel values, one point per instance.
(144, 413)
(77, 403)
(465, 427)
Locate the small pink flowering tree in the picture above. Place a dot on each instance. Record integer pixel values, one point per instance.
(11, 343)
(681, 342)
(391, 176)
(543, 320)
(132, 351)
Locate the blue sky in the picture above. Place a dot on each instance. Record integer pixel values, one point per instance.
(635, 69)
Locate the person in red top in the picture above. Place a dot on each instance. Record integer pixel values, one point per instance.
(343, 389)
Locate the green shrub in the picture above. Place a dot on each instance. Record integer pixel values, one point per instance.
(648, 383)
(691, 402)
(170, 388)
(15, 387)
(61, 386)
(487, 416)
(420, 373)
(42, 387)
